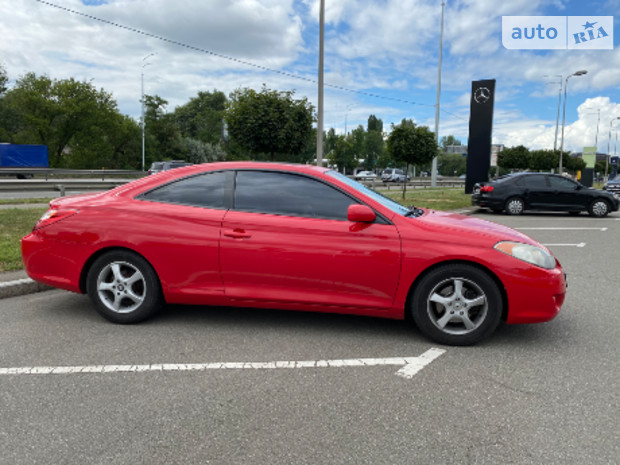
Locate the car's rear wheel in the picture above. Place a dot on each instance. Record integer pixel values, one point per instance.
(123, 287)
(514, 206)
(457, 305)
(599, 208)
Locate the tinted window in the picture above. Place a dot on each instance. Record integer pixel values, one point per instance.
(562, 183)
(289, 194)
(205, 190)
(535, 181)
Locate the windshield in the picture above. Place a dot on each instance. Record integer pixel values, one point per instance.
(386, 202)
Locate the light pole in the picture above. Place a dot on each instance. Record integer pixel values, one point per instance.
(609, 147)
(319, 122)
(434, 164)
(557, 118)
(142, 100)
(577, 73)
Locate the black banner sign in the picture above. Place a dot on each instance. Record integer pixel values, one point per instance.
(480, 128)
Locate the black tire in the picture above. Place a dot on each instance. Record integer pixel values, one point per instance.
(123, 287)
(514, 206)
(599, 208)
(457, 305)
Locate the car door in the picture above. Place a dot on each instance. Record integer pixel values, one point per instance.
(567, 194)
(536, 190)
(183, 236)
(288, 240)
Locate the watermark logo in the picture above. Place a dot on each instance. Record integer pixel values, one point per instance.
(558, 32)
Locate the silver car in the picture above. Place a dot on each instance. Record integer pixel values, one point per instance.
(394, 175)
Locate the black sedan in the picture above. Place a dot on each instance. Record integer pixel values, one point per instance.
(517, 192)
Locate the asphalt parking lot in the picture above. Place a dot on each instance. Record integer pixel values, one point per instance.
(239, 386)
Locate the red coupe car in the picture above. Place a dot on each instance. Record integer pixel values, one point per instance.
(290, 237)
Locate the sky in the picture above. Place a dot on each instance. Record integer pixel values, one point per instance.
(381, 58)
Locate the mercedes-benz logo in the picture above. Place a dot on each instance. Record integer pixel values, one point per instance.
(482, 95)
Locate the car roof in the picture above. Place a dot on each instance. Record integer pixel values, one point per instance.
(162, 177)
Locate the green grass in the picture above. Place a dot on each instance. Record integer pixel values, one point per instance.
(23, 201)
(14, 224)
(436, 198)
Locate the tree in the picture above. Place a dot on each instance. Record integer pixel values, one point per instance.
(60, 114)
(375, 146)
(202, 117)
(544, 160)
(269, 122)
(447, 141)
(573, 164)
(357, 139)
(452, 164)
(343, 154)
(411, 144)
(374, 149)
(202, 152)
(375, 124)
(514, 158)
(8, 117)
(329, 141)
(163, 137)
(4, 79)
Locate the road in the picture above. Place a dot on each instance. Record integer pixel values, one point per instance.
(532, 394)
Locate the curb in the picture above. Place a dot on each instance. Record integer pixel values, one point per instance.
(21, 287)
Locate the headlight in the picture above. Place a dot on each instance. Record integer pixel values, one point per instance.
(528, 253)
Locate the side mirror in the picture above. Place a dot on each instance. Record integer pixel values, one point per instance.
(361, 214)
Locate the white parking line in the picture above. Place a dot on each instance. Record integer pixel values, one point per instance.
(411, 366)
(581, 244)
(562, 229)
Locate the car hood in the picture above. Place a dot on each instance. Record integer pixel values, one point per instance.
(457, 225)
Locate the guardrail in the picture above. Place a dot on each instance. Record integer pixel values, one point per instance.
(60, 185)
(456, 182)
(51, 172)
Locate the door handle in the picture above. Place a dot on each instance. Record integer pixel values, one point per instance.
(237, 233)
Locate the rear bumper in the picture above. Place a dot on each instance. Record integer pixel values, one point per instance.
(482, 201)
(51, 262)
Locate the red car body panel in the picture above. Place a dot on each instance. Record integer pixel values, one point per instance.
(226, 257)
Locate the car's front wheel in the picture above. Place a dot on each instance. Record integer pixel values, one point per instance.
(514, 206)
(457, 305)
(123, 287)
(599, 208)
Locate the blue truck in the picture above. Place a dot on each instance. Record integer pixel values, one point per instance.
(17, 159)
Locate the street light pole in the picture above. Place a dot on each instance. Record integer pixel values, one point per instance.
(319, 123)
(434, 164)
(577, 73)
(557, 118)
(142, 100)
(609, 147)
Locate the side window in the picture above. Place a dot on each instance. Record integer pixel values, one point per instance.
(205, 190)
(290, 195)
(562, 183)
(536, 182)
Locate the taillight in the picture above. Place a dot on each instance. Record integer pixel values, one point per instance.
(52, 216)
(486, 189)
